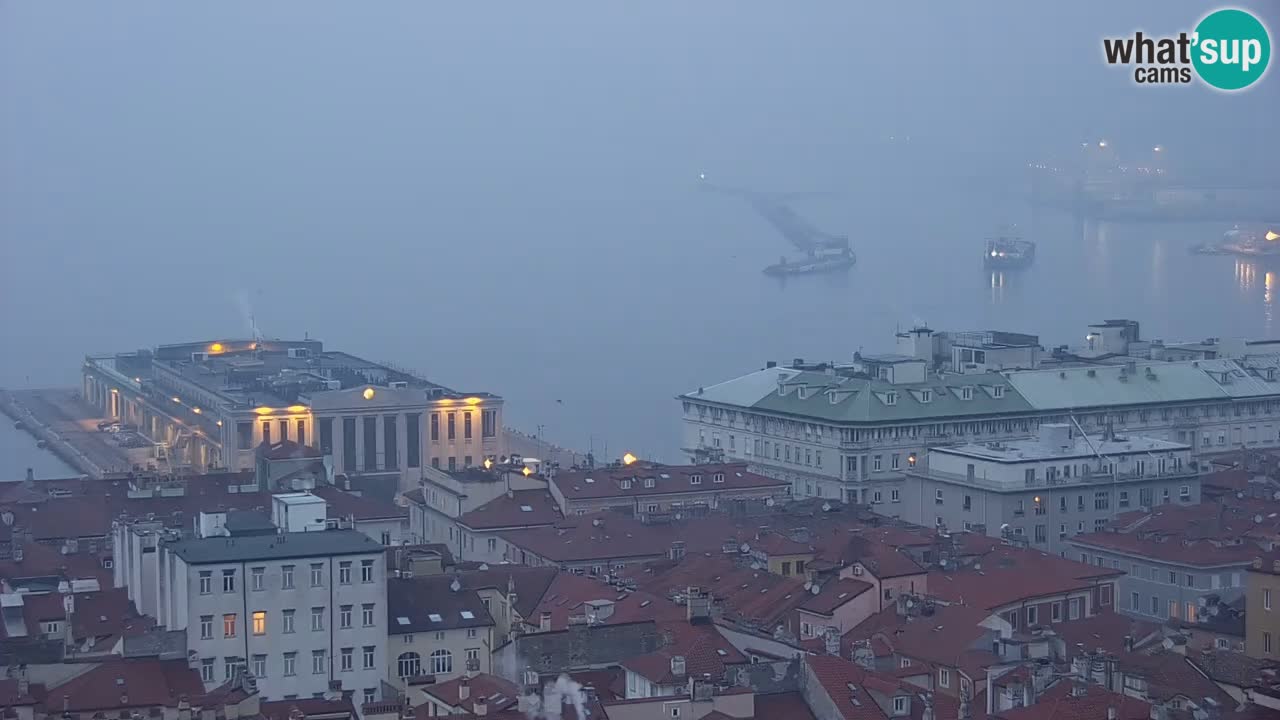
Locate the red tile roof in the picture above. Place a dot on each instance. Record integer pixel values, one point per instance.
(704, 649)
(756, 596)
(95, 615)
(1105, 631)
(1009, 575)
(515, 509)
(10, 697)
(568, 594)
(47, 560)
(499, 693)
(1169, 674)
(608, 684)
(602, 483)
(343, 504)
(951, 637)
(124, 684)
(282, 709)
(843, 683)
(1058, 703)
(1206, 535)
(834, 595)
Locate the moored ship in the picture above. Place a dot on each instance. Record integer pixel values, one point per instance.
(1009, 251)
(814, 263)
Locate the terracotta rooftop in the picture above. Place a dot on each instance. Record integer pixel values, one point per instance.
(287, 450)
(515, 509)
(834, 595)
(1061, 703)
(704, 649)
(1105, 631)
(528, 583)
(1206, 535)
(1170, 674)
(123, 684)
(755, 596)
(283, 709)
(632, 480)
(1009, 575)
(568, 594)
(39, 560)
(953, 636)
(96, 615)
(1233, 668)
(783, 706)
(499, 694)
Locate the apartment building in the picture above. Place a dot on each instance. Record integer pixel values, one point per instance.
(845, 430)
(300, 611)
(1043, 490)
(1262, 608)
(436, 627)
(653, 488)
(1179, 560)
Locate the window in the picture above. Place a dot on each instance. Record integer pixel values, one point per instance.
(317, 619)
(259, 578)
(346, 659)
(906, 662)
(390, 448)
(473, 654)
(229, 625)
(206, 669)
(894, 496)
(1033, 615)
(1073, 609)
(366, 614)
(408, 665)
(1042, 534)
(371, 443)
(370, 695)
(286, 621)
(317, 574)
(1189, 580)
(1101, 500)
(1173, 609)
(1173, 578)
(344, 572)
(290, 664)
(966, 393)
(489, 423)
(1266, 598)
(1266, 642)
(717, 477)
(259, 622)
(229, 665)
(453, 425)
(441, 662)
(695, 479)
(435, 427)
(893, 461)
(413, 453)
(367, 651)
(875, 463)
(344, 617)
(1155, 605)
(900, 705)
(937, 497)
(1134, 602)
(466, 426)
(318, 662)
(944, 677)
(259, 666)
(206, 627)
(1055, 612)
(266, 431)
(366, 571)
(471, 632)
(286, 577)
(968, 502)
(206, 582)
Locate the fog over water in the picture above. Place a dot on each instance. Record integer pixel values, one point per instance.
(508, 201)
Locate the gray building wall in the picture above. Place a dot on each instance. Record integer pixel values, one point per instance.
(1158, 583)
(1068, 510)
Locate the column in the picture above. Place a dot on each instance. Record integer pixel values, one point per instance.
(359, 430)
(380, 448)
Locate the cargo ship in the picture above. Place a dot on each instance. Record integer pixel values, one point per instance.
(1008, 251)
(1258, 242)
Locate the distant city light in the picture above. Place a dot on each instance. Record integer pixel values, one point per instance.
(1102, 143)
(368, 393)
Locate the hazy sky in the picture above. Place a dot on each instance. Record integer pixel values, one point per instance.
(500, 195)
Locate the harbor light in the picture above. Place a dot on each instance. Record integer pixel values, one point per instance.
(488, 463)
(297, 408)
(368, 393)
(1102, 143)
(628, 459)
(177, 400)
(263, 410)
(1272, 236)
(195, 410)
(216, 348)
(527, 472)
(219, 423)
(1157, 149)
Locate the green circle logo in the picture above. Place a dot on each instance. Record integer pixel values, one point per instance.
(1232, 49)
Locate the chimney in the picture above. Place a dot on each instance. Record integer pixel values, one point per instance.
(31, 475)
(184, 708)
(544, 622)
(464, 688)
(928, 707)
(1111, 713)
(480, 707)
(1128, 643)
(677, 550)
(831, 642)
(677, 665)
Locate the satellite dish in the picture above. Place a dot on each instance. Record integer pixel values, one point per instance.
(826, 507)
(455, 585)
(911, 603)
(679, 516)
(815, 589)
(1257, 519)
(808, 584)
(755, 566)
(745, 548)
(943, 562)
(769, 502)
(7, 517)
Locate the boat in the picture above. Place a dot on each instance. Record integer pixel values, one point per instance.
(1008, 251)
(814, 263)
(1251, 242)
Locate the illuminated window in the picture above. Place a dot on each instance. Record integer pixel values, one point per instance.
(259, 623)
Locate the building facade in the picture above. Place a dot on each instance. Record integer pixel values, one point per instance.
(210, 404)
(1044, 490)
(1262, 616)
(301, 611)
(844, 430)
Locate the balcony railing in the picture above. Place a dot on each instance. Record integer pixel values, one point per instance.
(1041, 482)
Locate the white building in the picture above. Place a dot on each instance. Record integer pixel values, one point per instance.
(847, 431)
(302, 611)
(1043, 490)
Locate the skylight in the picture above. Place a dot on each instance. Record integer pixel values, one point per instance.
(435, 618)
(468, 615)
(720, 652)
(402, 620)
(589, 481)
(525, 508)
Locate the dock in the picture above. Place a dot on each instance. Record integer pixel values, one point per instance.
(68, 428)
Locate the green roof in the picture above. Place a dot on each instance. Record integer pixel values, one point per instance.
(322, 543)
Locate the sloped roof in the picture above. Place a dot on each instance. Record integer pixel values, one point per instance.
(515, 509)
(145, 682)
(1101, 386)
(704, 649)
(1010, 575)
(1059, 703)
(431, 604)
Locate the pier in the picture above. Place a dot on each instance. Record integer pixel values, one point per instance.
(68, 428)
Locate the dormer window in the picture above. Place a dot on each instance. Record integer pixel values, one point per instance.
(891, 398)
(997, 391)
(648, 482)
(966, 393)
(900, 705)
(926, 396)
(626, 484)
(717, 478)
(695, 479)
(802, 392)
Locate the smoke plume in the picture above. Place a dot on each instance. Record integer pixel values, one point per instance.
(555, 696)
